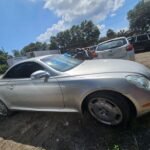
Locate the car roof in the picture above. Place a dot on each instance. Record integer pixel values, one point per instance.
(138, 35)
(35, 58)
(112, 40)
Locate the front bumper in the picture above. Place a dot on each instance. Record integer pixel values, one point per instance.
(140, 98)
(131, 55)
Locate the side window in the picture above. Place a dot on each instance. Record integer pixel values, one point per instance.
(111, 44)
(23, 70)
(132, 39)
(142, 38)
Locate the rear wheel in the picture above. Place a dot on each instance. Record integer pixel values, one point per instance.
(109, 108)
(4, 111)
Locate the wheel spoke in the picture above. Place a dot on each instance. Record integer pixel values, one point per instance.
(105, 111)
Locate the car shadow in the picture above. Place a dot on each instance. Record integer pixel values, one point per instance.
(70, 131)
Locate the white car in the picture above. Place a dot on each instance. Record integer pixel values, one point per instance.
(118, 48)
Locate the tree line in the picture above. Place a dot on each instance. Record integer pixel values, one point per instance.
(83, 35)
(86, 34)
(3, 61)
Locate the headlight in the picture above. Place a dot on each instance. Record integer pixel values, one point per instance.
(139, 81)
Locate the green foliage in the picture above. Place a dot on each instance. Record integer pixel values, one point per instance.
(116, 147)
(53, 44)
(3, 61)
(2, 52)
(122, 33)
(38, 46)
(3, 68)
(111, 34)
(16, 53)
(139, 17)
(83, 35)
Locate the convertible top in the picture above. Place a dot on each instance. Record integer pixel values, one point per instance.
(38, 58)
(34, 59)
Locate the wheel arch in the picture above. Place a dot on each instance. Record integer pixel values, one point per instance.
(5, 103)
(132, 106)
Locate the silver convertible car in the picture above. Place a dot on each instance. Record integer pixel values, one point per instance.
(112, 91)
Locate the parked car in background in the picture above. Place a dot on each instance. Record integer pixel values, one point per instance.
(92, 48)
(141, 42)
(81, 53)
(112, 91)
(118, 48)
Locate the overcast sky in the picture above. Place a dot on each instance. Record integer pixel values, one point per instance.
(25, 21)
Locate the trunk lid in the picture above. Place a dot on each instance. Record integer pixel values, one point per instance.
(119, 52)
(116, 48)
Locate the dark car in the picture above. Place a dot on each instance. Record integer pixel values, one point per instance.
(141, 42)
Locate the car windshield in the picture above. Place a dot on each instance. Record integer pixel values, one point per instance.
(61, 63)
(111, 44)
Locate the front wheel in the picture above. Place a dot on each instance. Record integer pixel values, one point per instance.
(109, 108)
(4, 111)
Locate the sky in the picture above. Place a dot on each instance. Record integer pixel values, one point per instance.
(26, 21)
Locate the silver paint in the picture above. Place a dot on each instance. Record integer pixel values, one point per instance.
(66, 91)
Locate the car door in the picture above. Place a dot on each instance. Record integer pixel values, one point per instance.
(141, 43)
(25, 93)
(148, 43)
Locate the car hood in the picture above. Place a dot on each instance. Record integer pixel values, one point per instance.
(109, 66)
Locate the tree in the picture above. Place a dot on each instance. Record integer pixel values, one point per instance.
(110, 33)
(76, 36)
(3, 57)
(83, 35)
(3, 61)
(38, 46)
(90, 33)
(122, 33)
(139, 17)
(3, 68)
(16, 53)
(44, 46)
(53, 43)
(2, 52)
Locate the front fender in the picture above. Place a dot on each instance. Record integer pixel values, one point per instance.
(76, 89)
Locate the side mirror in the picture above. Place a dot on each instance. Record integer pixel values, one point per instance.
(40, 74)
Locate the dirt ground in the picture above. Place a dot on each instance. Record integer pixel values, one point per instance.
(66, 131)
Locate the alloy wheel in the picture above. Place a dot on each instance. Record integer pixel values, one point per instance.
(105, 111)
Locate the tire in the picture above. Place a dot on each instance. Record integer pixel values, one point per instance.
(4, 111)
(109, 108)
